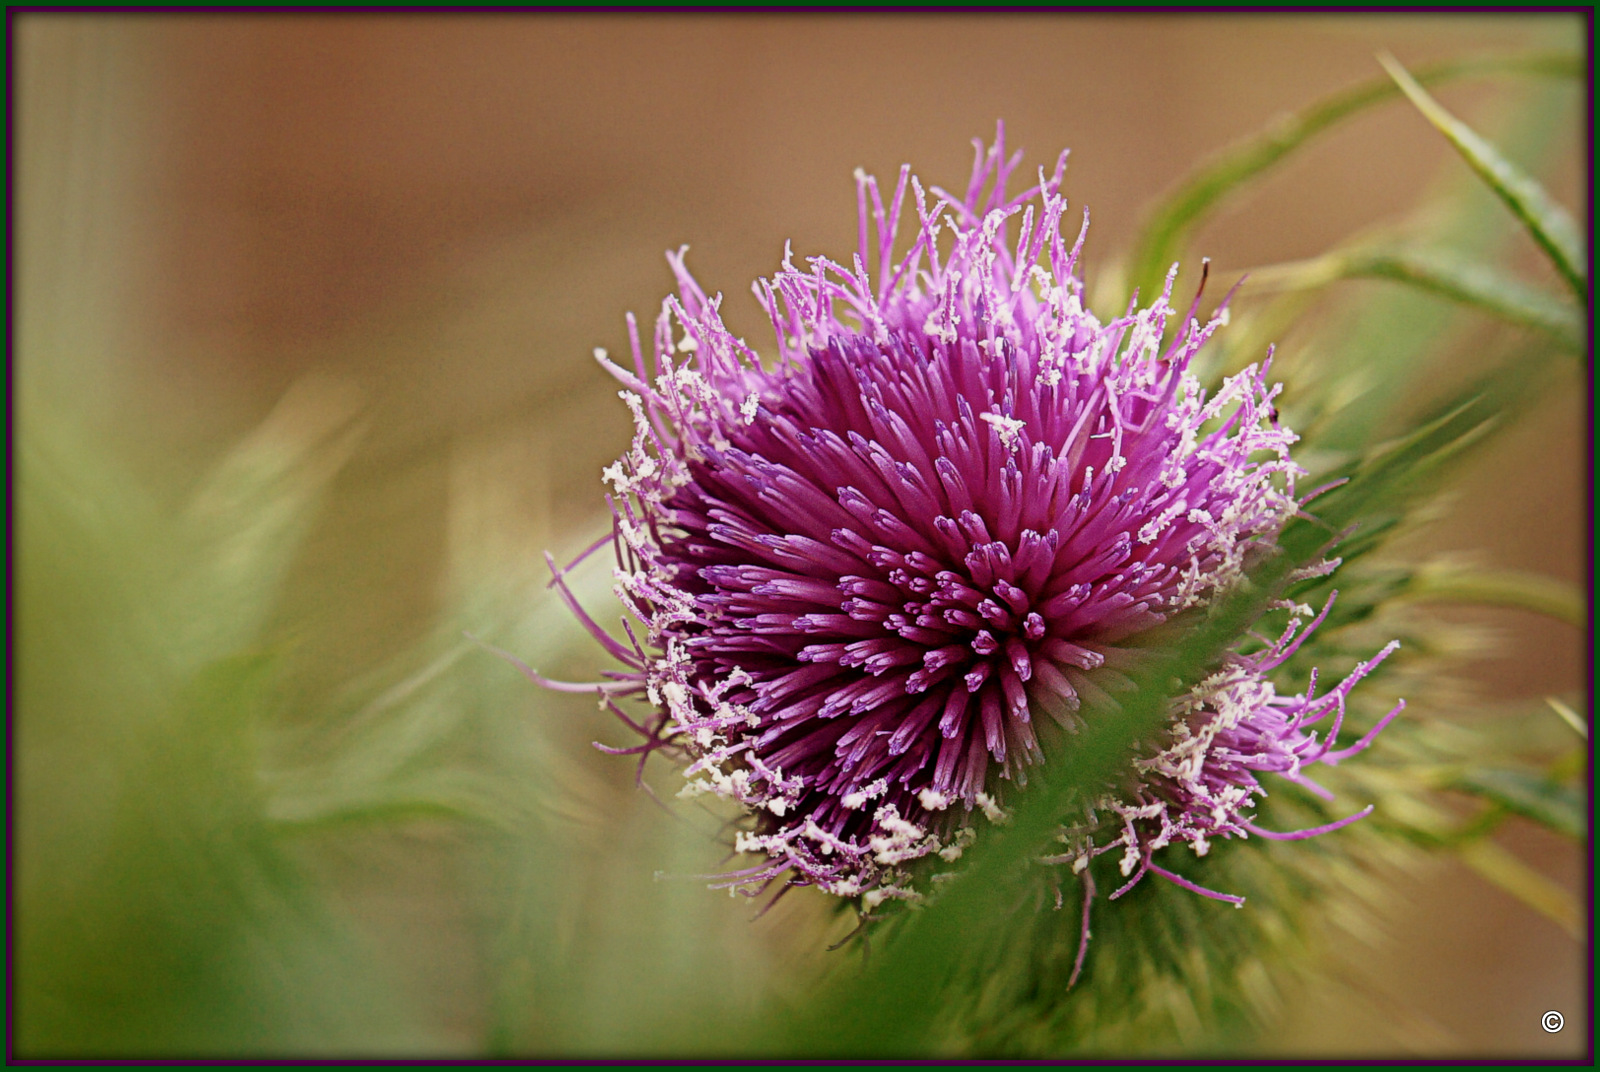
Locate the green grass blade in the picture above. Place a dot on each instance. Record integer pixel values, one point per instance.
(1500, 588)
(1386, 479)
(251, 514)
(1446, 275)
(1569, 716)
(1551, 226)
(1179, 213)
(1531, 794)
(1533, 889)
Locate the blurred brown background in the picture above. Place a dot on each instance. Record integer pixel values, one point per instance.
(452, 212)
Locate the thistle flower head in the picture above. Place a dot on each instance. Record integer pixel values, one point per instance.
(883, 574)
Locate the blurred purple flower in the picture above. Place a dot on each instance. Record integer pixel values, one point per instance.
(956, 501)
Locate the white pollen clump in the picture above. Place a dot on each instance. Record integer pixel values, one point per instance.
(992, 809)
(845, 887)
(852, 801)
(901, 839)
(963, 837)
(1009, 429)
